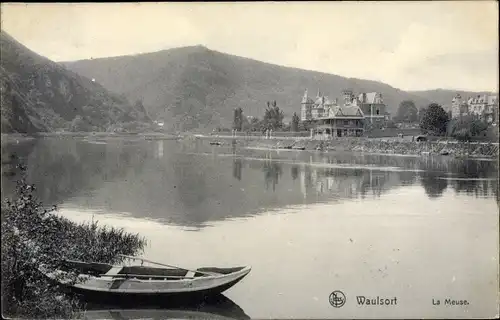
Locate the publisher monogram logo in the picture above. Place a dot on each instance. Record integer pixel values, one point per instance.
(337, 299)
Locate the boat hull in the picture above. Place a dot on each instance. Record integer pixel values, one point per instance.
(124, 290)
(155, 298)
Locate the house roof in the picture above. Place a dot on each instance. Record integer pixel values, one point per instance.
(345, 111)
(328, 102)
(370, 97)
(351, 111)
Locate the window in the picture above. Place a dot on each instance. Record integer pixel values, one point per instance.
(346, 122)
(378, 112)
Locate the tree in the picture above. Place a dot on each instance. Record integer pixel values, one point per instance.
(407, 112)
(435, 120)
(139, 106)
(238, 119)
(295, 122)
(273, 116)
(467, 127)
(421, 113)
(306, 125)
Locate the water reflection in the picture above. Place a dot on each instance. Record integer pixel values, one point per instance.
(294, 172)
(218, 307)
(237, 168)
(191, 183)
(272, 173)
(433, 184)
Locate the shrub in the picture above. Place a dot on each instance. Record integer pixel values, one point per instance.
(33, 236)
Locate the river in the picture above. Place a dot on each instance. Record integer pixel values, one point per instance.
(412, 228)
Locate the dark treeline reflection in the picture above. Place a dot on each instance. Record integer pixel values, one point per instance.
(237, 168)
(62, 168)
(190, 183)
(433, 183)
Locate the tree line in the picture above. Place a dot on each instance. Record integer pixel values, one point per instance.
(271, 120)
(434, 120)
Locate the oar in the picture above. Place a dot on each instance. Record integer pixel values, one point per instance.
(165, 265)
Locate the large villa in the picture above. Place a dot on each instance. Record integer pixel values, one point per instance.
(484, 107)
(333, 120)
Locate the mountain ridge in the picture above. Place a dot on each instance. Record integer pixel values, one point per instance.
(203, 47)
(194, 86)
(41, 95)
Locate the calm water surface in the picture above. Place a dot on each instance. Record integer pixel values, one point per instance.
(308, 223)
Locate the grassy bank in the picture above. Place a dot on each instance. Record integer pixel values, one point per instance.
(33, 235)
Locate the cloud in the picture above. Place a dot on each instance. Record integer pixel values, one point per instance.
(410, 45)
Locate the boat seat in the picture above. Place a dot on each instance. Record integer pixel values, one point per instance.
(190, 274)
(114, 271)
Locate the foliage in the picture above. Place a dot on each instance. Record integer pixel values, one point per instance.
(295, 122)
(220, 82)
(32, 237)
(306, 125)
(251, 124)
(143, 113)
(421, 113)
(467, 127)
(273, 116)
(40, 95)
(79, 124)
(238, 119)
(139, 106)
(407, 112)
(435, 120)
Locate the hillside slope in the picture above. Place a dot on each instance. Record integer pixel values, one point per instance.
(195, 86)
(40, 95)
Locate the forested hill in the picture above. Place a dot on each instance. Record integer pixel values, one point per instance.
(194, 86)
(38, 94)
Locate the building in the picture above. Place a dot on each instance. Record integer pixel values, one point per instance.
(330, 119)
(373, 107)
(484, 107)
(459, 107)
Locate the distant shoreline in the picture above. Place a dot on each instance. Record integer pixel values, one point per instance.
(17, 137)
(388, 146)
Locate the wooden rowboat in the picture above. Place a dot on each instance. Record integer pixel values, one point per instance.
(103, 281)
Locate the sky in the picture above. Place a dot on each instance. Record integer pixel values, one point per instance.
(409, 45)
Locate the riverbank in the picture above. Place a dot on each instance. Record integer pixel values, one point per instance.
(110, 135)
(374, 146)
(16, 137)
(32, 236)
